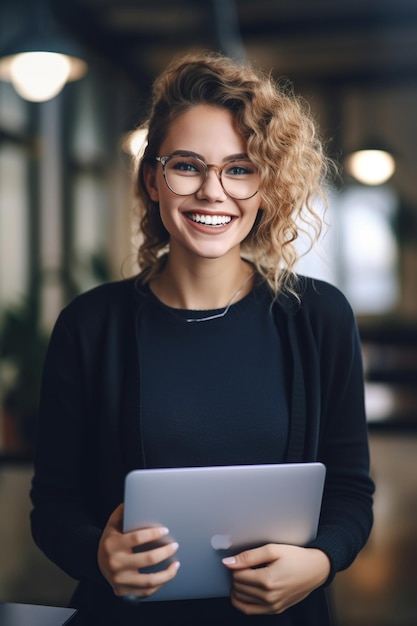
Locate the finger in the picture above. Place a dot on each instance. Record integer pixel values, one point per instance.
(256, 557)
(252, 605)
(250, 608)
(247, 595)
(140, 580)
(117, 546)
(144, 585)
(149, 558)
(132, 561)
(145, 536)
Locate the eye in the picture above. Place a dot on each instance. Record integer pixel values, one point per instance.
(240, 168)
(182, 165)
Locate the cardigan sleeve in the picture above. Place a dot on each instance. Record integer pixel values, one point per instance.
(63, 520)
(346, 517)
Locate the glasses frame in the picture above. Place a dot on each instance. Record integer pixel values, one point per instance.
(163, 160)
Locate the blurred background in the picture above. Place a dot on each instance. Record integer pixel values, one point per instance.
(67, 224)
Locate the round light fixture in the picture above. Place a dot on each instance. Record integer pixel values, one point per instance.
(41, 59)
(371, 166)
(38, 76)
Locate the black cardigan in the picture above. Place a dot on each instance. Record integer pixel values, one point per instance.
(89, 430)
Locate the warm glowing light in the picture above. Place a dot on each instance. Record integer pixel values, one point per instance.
(135, 142)
(39, 76)
(371, 167)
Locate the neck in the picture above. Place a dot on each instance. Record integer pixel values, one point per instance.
(204, 286)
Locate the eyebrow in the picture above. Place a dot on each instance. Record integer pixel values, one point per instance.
(231, 157)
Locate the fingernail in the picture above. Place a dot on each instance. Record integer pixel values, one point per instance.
(175, 545)
(229, 560)
(163, 530)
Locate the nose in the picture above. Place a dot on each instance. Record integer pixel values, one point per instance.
(212, 189)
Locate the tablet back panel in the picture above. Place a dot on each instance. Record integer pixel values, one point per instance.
(17, 614)
(215, 512)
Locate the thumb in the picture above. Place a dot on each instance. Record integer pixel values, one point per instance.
(255, 557)
(243, 560)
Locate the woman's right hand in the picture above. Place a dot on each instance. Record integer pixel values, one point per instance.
(120, 563)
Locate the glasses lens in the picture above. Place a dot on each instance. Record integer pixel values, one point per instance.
(184, 174)
(240, 179)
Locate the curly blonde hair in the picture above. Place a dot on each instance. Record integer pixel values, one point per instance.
(282, 141)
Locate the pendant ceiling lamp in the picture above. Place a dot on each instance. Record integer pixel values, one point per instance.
(40, 61)
(373, 164)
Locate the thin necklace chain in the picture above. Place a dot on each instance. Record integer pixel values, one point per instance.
(229, 304)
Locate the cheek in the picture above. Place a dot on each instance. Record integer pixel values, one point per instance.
(254, 227)
(167, 210)
(254, 213)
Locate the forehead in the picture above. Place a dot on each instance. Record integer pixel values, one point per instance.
(208, 130)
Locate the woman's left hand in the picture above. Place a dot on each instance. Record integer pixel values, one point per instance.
(274, 577)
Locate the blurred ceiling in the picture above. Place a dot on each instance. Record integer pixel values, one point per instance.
(357, 60)
(325, 41)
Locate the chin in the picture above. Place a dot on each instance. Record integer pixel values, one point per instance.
(214, 254)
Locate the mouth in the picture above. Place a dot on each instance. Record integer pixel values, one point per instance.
(209, 220)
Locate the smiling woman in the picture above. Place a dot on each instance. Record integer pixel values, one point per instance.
(204, 220)
(288, 158)
(272, 374)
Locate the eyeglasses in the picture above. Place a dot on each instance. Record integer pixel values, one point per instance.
(185, 174)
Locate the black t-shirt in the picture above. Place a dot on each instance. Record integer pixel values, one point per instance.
(212, 392)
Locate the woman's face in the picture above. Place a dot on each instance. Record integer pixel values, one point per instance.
(209, 223)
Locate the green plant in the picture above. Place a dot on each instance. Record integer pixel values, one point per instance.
(22, 348)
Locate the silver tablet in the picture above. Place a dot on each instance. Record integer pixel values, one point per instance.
(213, 512)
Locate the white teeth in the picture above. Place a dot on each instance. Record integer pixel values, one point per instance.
(211, 220)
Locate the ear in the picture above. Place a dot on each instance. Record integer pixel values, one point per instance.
(149, 177)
